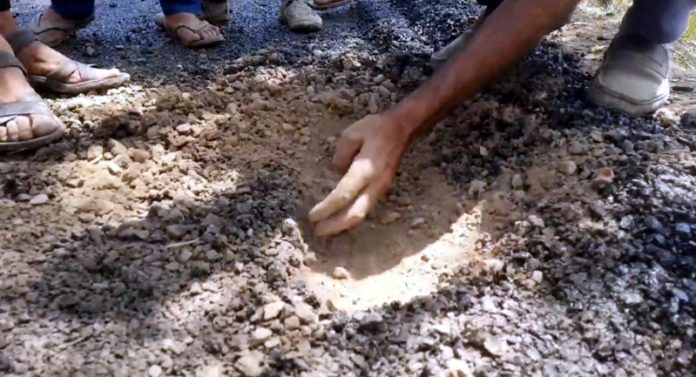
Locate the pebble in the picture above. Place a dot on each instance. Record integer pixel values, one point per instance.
(90, 51)
(154, 371)
(272, 310)
(631, 298)
(568, 167)
(95, 151)
(493, 266)
(117, 148)
(476, 187)
(517, 181)
(261, 334)
(683, 229)
(249, 365)
(458, 368)
(306, 313)
(575, 147)
(688, 119)
(292, 323)
(483, 151)
(272, 342)
(495, 346)
(176, 231)
(536, 221)
(389, 217)
(214, 370)
(184, 129)
(418, 221)
(200, 268)
(340, 273)
(653, 223)
(39, 199)
(626, 222)
(603, 178)
(140, 155)
(537, 276)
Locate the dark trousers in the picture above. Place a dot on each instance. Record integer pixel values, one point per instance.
(659, 21)
(80, 9)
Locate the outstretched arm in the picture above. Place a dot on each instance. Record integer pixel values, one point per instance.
(371, 149)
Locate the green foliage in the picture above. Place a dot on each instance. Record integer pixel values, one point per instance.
(691, 33)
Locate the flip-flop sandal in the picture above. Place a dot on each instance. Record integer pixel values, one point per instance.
(216, 13)
(68, 28)
(57, 80)
(30, 104)
(332, 5)
(196, 29)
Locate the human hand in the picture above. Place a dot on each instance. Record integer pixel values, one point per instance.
(370, 151)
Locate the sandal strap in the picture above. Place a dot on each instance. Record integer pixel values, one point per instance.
(8, 60)
(21, 39)
(65, 70)
(30, 106)
(66, 26)
(196, 28)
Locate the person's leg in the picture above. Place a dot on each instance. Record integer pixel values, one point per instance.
(172, 7)
(634, 76)
(73, 10)
(299, 16)
(25, 121)
(659, 22)
(43, 61)
(62, 19)
(181, 20)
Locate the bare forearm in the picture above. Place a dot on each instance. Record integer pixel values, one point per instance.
(516, 27)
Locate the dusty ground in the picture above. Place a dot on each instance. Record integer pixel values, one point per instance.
(530, 234)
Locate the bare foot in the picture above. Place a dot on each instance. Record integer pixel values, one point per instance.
(188, 36)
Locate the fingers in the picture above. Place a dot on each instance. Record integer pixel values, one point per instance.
(348, 188)
(346, 150)
(354, 214)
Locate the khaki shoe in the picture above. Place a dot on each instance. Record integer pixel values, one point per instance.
(300, 16)
(634, 76)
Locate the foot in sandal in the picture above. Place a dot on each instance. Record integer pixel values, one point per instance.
(49, 69)
(191, 31)
(26, 122)
(52, 29)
